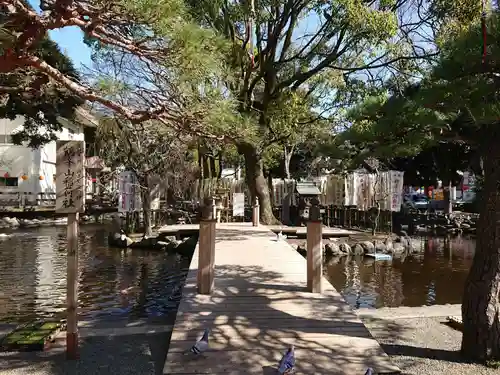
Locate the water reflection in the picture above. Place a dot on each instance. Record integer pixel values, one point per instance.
(434, 277)
(112, 283)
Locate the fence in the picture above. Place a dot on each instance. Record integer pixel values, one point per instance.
(18, 199)
(22, 199)
(359, 189)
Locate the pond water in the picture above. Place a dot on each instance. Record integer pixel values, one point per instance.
(137, 284)
(435, 276)
(131, 284)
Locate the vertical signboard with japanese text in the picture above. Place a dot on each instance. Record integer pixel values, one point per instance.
(70, 176)
(129, 199)
(396, 181)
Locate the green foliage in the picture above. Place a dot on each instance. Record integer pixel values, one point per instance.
(183, 77)
(43, 102)
(300, 68)
(457, 101)
(148, 150)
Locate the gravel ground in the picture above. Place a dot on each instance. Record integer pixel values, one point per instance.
(423, 346)
(124, 354)
(418, 345)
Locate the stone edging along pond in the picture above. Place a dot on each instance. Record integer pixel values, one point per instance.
(398, 245)
(14, 223)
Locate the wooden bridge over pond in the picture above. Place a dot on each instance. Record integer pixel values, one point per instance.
(257, 300)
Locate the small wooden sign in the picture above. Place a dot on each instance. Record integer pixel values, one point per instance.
(70, 176)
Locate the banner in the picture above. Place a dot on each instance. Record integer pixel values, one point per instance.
(129, 199)
(238, 204)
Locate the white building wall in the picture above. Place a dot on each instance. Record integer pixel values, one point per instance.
(19, 160)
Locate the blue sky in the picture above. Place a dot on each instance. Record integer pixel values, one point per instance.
(70, 40)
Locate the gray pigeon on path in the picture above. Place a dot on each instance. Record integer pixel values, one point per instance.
(201, 345)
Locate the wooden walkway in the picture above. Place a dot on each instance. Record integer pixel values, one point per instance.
(291, 231)
(259, 307)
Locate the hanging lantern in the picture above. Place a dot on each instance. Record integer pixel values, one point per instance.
(40, 178)
(6, 175)
(24, 177)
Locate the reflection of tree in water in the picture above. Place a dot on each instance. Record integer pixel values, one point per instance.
(388, 282)
(18, 270)
(434, 276)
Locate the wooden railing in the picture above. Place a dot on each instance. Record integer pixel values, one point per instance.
(18, 199)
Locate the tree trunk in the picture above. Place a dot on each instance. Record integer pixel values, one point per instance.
(288, 153)
(146, 206)
(257, 184)
(481, 299)
(219, 171)
(213, 167)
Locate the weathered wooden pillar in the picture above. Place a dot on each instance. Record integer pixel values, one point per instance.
(206, 248)
(72, 287)
(256, 213)
(314, 248)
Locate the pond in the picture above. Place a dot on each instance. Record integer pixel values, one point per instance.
(435, 276)
(113, 283)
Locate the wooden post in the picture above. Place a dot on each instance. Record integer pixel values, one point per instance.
(314, 248)
(72, 287)
(214, 209)
(206, 249)
(256, 213)
(70, 199)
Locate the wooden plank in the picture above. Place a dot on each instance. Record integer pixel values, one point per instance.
(327, 231)
(338, 360)
(259, 306)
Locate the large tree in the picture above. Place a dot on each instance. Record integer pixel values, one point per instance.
(157, 155)
(328, 50)
(458, 102)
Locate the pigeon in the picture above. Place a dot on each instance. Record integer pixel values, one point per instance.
(287, 363)
(369, 371)
(202, 344)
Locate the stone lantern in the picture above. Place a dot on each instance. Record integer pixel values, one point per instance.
(308, 195)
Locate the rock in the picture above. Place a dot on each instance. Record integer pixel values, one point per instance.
(404, 241)
(398, 248)
(379, 246)
(332, 249)
(119, 240)
(166, 237)
(11, 222)
(389, 245)
(172, 246)
(144, 243)
(368, 247)
(358, 249)
(415, 245)
(187, 245)
(345, 248)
